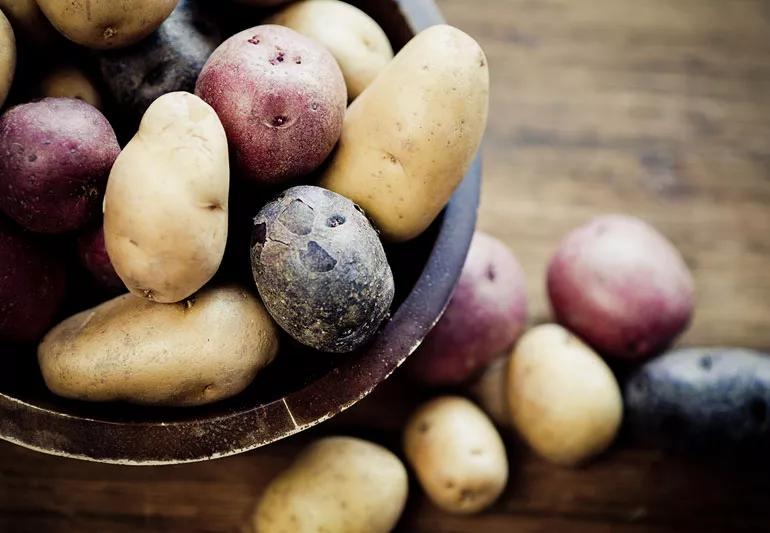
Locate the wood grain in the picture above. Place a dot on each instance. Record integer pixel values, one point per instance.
(657, 108)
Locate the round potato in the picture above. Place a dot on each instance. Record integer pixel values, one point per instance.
(621, 286)
(29, 23)
(564, 399)
(408, 140)
(165, 208)
(281, 97)
(355, 40)
(490, 390)
(321, 269)
(71, 82)
(7, 57)
(457, 454)
(93, 256)
(338, 484)
(104, 24)
(57, 153)
(204, 349)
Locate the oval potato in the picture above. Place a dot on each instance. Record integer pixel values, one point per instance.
(7, 57)
(165, 208)
(457, 454)
(408, 140)
(338, 484)
(490, 391)
(104, 24)
(564, 399)
(355, 40)
(202, 350)
(71, 82)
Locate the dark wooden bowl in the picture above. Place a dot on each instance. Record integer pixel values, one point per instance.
(300, 389)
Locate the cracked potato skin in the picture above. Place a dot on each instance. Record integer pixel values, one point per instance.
(321, 269)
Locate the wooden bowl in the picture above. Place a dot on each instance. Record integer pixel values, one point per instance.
(300, 389)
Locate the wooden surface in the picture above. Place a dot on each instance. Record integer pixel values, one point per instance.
(659, 108)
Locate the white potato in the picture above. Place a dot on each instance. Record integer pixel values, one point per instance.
(71, 82)
(7, 57)
(490, 391)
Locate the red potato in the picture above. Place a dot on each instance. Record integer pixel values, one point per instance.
(486, 314)
(281, 98)
(93, 256)
(55, 156)
(32, 286)
(621, 286)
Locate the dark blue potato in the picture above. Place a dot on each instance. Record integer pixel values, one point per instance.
(711, 400)
(320, 269)
(169, 60)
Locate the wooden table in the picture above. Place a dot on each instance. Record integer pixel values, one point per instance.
(659, 108)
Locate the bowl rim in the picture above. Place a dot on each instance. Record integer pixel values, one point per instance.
(160, 443)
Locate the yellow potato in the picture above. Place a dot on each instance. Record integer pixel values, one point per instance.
(7, 57)
(358, 44)
(409, 138)
(165, 208)
(337, 484)
(564, 399)
(457, 454)
(28, 22)
(106, 24)
(71, 82)
(490, 391)
(204, 349)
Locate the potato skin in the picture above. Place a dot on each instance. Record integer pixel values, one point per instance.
(457, 454)
(355, 40)
(71, 82)
(169, 60)
(29, 23)
(281, 98)
(199, 351)
(490, 390)
(486, 314)
(703, 401)
(339, 484)
(55, 155)
(32, 284)
(93, 256)
(165, 208)
(105, 24)
(408, 140)
(621, 286)
(7, 57)
(565, 401)
(321, 269)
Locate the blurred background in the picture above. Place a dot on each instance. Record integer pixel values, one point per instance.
(659, 109)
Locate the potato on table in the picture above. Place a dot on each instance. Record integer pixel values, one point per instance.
(490, 390)
(103, 24)
(198, 351)
(355, 40)
(7, 57)
(71, 82)
(408, 140)
(337, 484)
(56, 155)
(165, 208)
(281, 98)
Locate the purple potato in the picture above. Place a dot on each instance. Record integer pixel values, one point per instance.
(485, 315)
(93, 256)
(621, 286)
(55, 156)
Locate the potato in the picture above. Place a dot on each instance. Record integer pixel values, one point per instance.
(56, 155)
(485, 315)
(564, 399)
(355, 40)
(408, 140)
(105, 24)
(281, 97)
(490, 391)
(71, 82)
(620, 286)
(29, 24)
(93, 256)
(7, 57)
(457, 454)
(165, 209)
(199, 351)
(168, 60)
(703, 400)
(337, 484)
(32, 284)
(321, 269)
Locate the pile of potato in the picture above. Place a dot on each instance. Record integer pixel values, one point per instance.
(328, 146)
